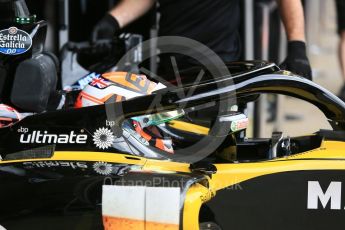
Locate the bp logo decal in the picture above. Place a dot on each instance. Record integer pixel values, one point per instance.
(103, 138)
(14, 41)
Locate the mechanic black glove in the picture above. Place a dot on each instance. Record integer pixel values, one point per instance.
(297, 60)
(106, 29)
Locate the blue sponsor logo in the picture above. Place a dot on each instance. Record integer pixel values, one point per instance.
(14, 41)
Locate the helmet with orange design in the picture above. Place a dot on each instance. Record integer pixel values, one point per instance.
(120, 86)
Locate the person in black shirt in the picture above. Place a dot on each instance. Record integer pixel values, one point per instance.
(214, 23)
(340, 7)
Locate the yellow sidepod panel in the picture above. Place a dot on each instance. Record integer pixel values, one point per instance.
(166, 166)
(88, 156)
(195, 197)
(330, 156)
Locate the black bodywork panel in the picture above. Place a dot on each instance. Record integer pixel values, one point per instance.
(68, 194)
(277, 201)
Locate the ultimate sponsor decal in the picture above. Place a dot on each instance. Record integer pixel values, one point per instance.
(14, 41)
(103, 138)
(100, 167)
(55, 164)
(44, 137)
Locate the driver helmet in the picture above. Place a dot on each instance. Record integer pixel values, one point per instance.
(8, 116)
(120, 86)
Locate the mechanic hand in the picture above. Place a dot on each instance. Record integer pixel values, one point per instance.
(106, 29)
(297, 60)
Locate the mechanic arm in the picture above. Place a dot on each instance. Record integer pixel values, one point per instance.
(293, 19)
(120, 16)
(128, 11)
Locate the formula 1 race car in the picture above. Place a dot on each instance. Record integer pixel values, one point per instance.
(82, 157)
(97, 167)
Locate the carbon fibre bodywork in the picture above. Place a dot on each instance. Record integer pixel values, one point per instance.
(52, 170)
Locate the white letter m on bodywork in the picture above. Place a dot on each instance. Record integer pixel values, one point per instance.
(315, 193)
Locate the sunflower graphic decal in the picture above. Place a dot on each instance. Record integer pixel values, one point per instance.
(103, 138)
(103, 168)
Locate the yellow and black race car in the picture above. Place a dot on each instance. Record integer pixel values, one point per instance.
(88, 168)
